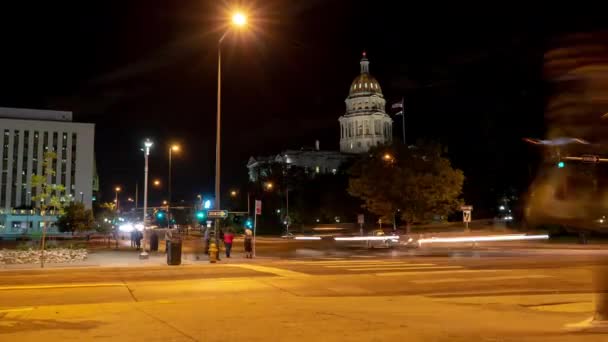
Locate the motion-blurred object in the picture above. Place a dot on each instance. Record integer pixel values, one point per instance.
(570, 190)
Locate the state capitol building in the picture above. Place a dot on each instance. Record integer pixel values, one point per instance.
(363, 125)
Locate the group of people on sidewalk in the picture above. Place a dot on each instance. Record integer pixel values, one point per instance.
(228, 238)
(136, 237)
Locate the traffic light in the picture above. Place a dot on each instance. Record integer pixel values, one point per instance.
(248, 223)
(201, 215)
(160, 215)
(561, 164)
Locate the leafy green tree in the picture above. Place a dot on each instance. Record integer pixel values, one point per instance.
(105, 215)
(48, 195)
(416, 183)
(75, 218)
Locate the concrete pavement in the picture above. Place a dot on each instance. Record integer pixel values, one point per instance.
(332, 299)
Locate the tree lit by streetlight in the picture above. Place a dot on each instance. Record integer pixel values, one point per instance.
(239, 19)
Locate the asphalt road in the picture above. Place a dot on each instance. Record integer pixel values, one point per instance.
(321, 292)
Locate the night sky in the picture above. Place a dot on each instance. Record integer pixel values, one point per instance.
(472, 78)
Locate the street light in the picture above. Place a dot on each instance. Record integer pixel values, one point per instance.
(173, 148)
(387, 157)
(269, 186)
(117, 190)
(233, 193)
(156, 183)
(148, 145)
(238, 20)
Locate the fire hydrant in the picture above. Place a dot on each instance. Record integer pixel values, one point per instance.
(213, 252)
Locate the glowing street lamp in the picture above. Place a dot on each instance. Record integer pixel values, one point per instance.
(239, 20)
(173, 148)
(116, 190)
(387, 157)
(233, 193)
(148, 145)
(269, 186)
(156, 183)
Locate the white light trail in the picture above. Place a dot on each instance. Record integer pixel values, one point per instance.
(367, 238)
(513, 237)
(307, 238)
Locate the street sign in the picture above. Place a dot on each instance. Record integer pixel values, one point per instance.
(590, 158)
(466, 208)
(466, 216)
(360, 219)
(258, 207)
(217, 214)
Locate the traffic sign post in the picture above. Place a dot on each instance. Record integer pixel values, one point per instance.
(466, 215)
(258, 211)
(361, 221)
(218, 214)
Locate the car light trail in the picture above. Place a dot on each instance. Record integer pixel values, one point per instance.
(307, 238)
(367, 238)
(515, 237)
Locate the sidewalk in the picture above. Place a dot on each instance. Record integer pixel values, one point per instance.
(130, 258)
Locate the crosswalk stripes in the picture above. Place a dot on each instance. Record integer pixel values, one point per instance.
(377, 265)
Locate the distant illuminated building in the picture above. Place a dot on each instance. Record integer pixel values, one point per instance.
(365, 123)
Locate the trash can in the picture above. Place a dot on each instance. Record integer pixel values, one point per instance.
(174, 255)
(154, 242)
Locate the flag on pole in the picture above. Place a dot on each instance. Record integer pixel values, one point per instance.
(398, 105)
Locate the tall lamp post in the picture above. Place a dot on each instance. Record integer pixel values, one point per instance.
(116, 190)
(173, 148)
(147, 145)
(238, 20)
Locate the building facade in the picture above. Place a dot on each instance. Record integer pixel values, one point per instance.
(313, 161)
(25, 135)
(365, 123)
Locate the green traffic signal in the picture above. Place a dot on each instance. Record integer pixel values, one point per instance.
(200, 215)
(561, 164)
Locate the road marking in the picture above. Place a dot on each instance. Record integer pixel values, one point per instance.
(455, 280)
(339, 262)
(58, 286)
(402, 269)
(378, 265)
(362, 256)
(17, 310)
(272, 270)
(392, 274)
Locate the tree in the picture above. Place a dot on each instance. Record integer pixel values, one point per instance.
(75, 218)
(417, 183)
(48, 195)
(105, 215)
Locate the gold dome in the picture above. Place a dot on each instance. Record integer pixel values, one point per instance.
(364, 83)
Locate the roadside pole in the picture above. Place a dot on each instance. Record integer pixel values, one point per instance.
(258, 211)
(466, 215)
(361, 221)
